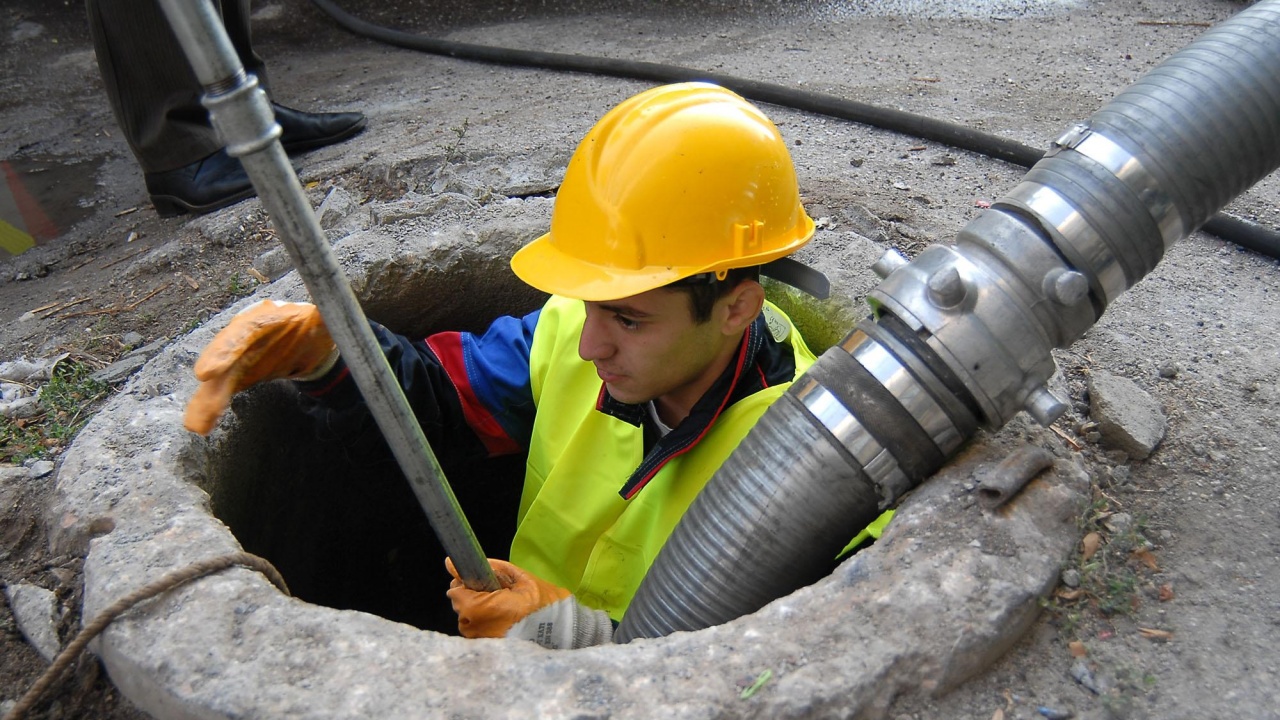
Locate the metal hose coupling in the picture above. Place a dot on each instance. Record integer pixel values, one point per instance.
(961, 336)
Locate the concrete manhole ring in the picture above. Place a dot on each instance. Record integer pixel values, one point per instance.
(947, 589)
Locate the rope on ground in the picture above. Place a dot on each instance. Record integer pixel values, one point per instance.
(173, 580)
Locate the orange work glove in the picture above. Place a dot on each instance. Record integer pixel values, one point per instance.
(526, 607)
(265, 341)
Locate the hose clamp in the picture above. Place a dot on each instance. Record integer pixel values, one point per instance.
(1081, 243)
(910, 394)
(877, 462)
(1127, 168)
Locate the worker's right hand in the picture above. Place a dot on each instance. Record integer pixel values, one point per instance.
(526, 607)
(265, 341)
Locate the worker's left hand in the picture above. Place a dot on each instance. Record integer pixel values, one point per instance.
(526, 607)
(265, 341)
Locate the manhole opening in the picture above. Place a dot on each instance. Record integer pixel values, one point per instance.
(331, 509)
(339, 519)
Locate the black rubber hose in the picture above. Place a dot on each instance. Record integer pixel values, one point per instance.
(1246, 234)
(1249, 235)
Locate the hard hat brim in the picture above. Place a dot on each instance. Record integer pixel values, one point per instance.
(547, 268)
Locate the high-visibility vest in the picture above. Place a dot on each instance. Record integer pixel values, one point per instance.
(573, 528)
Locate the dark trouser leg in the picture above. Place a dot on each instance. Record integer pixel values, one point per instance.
(153, 92)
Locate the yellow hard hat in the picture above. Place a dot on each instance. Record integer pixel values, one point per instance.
(676, 181)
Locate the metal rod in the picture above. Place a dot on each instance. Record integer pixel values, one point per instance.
(243, 117)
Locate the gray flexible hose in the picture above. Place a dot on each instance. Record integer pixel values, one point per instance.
(969, 328)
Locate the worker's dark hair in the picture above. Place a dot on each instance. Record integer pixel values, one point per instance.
(704, 289)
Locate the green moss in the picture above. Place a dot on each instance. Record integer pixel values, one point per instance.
(822, 323)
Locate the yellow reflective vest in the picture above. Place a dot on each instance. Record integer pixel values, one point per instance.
(573, 527)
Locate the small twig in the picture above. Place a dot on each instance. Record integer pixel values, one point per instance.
(168, 582)
(113, 310)
(148, 296)
(1104, 494)
(126, 211)
(42, 308)
(1066, 437)
(73, 303)
(84, 356)
(84, 405)
(90, 313)
(126, 257)
(1175, 23)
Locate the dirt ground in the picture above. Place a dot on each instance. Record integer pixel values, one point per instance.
(1183, 621)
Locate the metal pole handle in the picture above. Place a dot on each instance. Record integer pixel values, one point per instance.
(242, 115)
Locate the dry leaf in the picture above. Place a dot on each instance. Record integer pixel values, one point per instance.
(1090, 545)
(1166, 592)
(257, 275)
(1146, 557)
(1069, 594)
(191, 281)
(1077, 649)
(1153, 634)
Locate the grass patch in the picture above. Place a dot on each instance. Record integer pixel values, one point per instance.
(238, 286)
(1113, 564)
(66, 402)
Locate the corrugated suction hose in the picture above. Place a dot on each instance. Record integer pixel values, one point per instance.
(961, 336)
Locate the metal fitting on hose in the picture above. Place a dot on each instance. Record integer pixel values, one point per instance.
(987, 326)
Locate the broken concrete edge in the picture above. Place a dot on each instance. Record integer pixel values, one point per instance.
(947, 589)
(35, 610)
(129, 363)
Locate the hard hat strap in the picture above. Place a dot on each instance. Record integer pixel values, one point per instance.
(799, 276)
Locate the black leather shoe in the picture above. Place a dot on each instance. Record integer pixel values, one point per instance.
(305, 131)
(214, 182)
(220, 180)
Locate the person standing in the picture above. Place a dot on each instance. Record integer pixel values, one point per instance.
(155, 98)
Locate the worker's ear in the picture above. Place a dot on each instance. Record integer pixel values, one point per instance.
(742, 305)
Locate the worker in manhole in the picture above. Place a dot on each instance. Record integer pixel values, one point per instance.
(654, 356)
